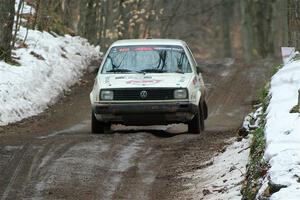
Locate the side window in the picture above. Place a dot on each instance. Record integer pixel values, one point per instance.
(192, 56)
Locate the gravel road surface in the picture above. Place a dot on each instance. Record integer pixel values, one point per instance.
(54, 155)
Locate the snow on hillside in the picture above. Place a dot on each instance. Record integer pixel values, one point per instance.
(221, 177)
(282, 133)
(49, 65)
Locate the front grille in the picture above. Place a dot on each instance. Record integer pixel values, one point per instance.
(135, 94)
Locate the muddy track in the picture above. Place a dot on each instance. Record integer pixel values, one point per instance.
(54, 155)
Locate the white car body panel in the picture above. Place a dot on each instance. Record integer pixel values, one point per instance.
(193, 82)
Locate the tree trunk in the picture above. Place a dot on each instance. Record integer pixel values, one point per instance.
(43, 14)
(294, 23)
(247, 36)
(136, 28)
(226, 10)
(124, 18)
(91, 21)
(262, 27)
(7, 12)
(17, 22)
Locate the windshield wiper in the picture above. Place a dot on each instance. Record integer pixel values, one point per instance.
(180, 61)
(119, 70)
(114, 66)
(162, 59)
(152, 70)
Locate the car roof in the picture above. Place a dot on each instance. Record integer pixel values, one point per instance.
(130, 42)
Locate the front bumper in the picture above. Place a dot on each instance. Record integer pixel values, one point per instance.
(145, 113)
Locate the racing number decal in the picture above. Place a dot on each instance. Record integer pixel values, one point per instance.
(142, 82)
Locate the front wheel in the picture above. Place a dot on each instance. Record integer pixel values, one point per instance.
(98, 127)
(196, 125)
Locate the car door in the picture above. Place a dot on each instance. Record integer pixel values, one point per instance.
(199, 75)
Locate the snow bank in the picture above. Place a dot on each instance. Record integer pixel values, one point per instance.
(253, 119)
(223, 179)
(282, 132)
(49, 66)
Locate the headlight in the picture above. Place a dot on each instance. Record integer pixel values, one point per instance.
(180, 94)
(106, 95)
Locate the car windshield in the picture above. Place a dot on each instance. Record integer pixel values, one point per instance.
(147, 59)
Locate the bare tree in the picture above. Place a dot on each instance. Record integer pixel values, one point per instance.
(254, 29)
(17, 22)
(7, 11)
(293, 23)
(226, 13)
(43, 14)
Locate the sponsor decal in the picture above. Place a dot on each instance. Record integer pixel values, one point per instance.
(107, 80)
(182, 79)
(143, 49)
(142, 82)
(124, 49)
(147, 48)
(169, 49)
(195, 80)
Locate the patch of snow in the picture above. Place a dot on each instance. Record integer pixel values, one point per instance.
(127, 155)
(72, 129)
(291, 193)
(26, 9)
(124, 160)
(229, 61)
(49, 66)
(223, 179)
(282, 132)
(253, 119)
(264, 185)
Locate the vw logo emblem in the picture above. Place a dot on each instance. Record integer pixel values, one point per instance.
(143, 94)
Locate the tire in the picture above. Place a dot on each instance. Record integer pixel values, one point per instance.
(196, 125)
(98, 127)
(205, 110)
(202, 118)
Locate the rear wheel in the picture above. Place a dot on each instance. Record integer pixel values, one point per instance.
(99, 127)
(196, 125)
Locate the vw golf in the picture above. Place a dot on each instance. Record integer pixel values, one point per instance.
(148, 82)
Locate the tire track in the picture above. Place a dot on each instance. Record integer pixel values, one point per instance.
(124, 158)
(68, 171)
(137, 182)
(9, 177)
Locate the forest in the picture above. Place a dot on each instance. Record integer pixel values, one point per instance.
(50, 53)
(245, 29)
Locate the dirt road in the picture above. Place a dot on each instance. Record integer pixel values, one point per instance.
(54, 155)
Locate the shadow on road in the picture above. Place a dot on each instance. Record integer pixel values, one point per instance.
(157, 133)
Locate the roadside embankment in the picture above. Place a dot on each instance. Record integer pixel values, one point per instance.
(49, 66)
(274, 173)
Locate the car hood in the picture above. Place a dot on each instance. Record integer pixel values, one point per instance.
(165, 80)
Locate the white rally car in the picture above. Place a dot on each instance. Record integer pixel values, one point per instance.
(147, 82)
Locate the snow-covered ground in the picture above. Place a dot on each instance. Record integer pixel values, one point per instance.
(49, 66)
(282, 132)
(223, 177)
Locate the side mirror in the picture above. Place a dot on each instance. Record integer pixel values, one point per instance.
(199, 70)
